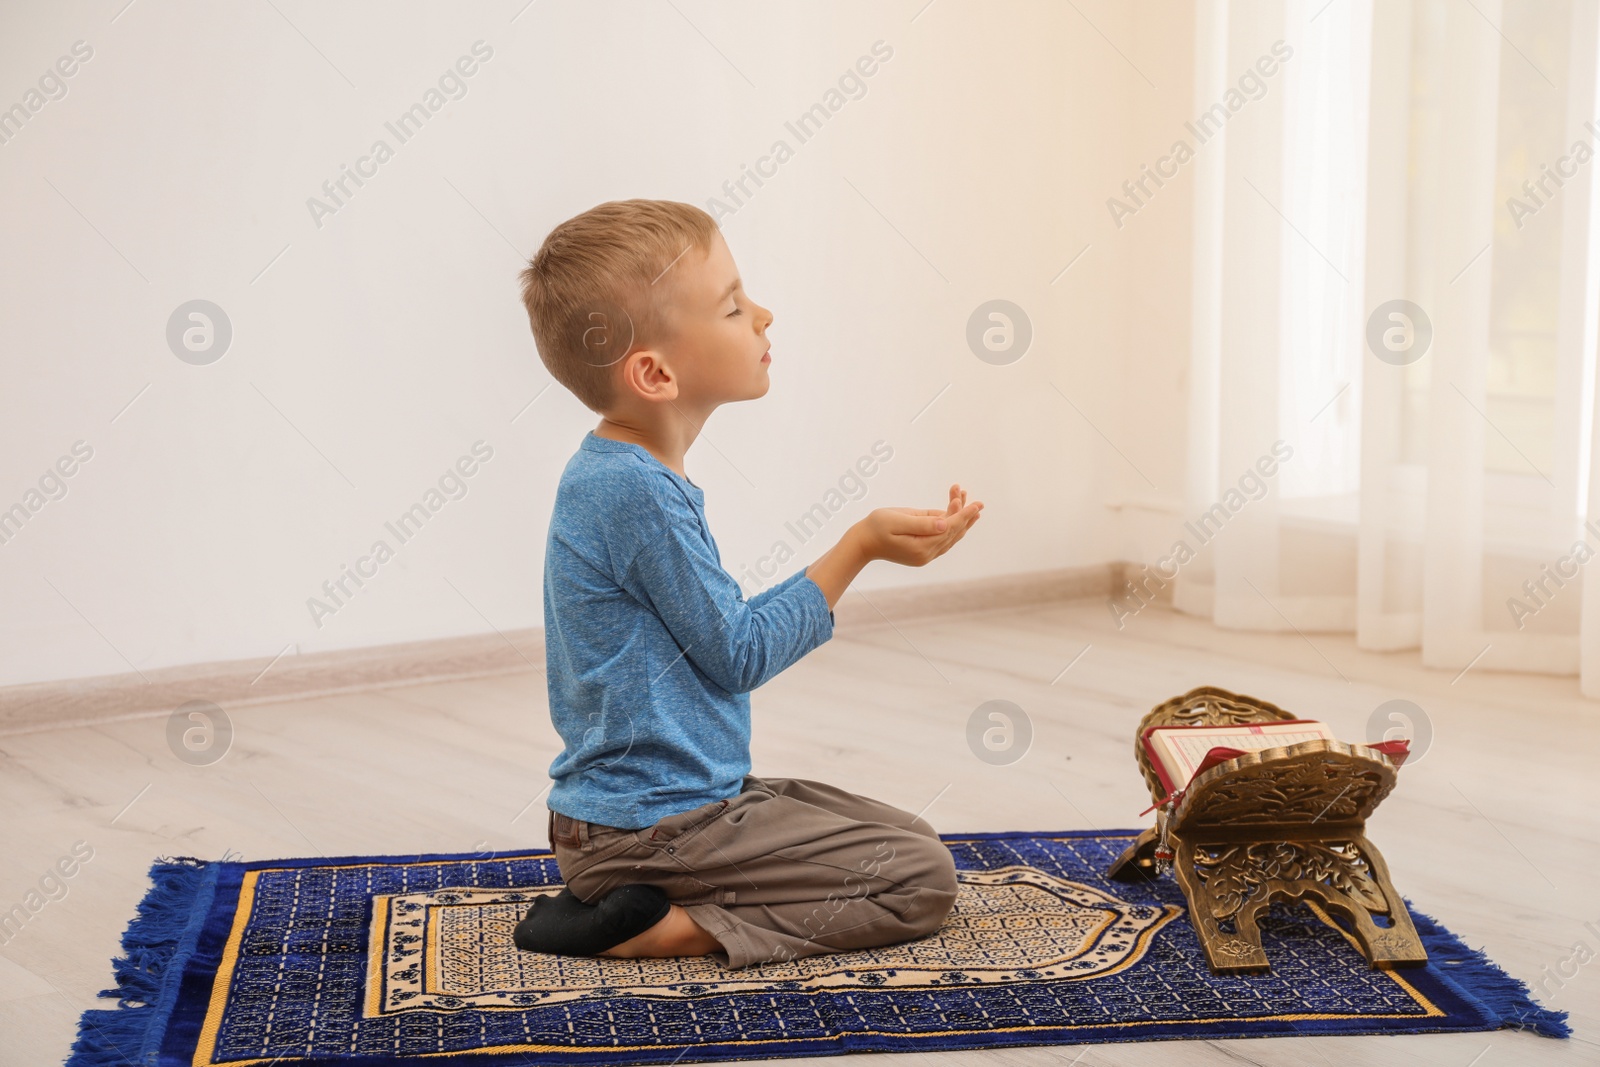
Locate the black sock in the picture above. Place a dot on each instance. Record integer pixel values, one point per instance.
(560, 923)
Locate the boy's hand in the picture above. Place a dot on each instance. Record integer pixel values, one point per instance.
(916, 536)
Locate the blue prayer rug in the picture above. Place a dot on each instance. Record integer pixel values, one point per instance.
(363, 961)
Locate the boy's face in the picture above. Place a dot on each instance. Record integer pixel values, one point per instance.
(718, 347)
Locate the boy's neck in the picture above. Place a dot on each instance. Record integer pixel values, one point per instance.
(668, 443)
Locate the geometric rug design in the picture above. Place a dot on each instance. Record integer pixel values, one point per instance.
(363, 961)
(451, 948)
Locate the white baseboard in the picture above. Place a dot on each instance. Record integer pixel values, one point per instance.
(237, 683)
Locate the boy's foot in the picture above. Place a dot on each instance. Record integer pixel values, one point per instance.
(675, 935)
(562, 924)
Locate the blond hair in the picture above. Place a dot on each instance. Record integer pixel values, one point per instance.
(591, 290)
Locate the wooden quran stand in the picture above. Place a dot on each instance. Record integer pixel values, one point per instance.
(1281, 823)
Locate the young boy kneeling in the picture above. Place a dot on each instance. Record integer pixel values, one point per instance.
(666, 842)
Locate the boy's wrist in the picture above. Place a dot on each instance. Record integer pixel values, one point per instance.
(856, 544)
(837, 568)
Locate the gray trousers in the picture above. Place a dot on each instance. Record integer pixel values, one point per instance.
(788, 868)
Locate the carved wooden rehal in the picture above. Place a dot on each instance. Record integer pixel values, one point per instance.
(1279, 824)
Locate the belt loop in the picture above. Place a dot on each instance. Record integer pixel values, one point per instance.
(583, 832)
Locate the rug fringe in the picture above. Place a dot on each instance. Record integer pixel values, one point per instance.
(1480, 978)
(117, 1037)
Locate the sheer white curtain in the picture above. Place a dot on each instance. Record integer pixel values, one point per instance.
(1395, 286)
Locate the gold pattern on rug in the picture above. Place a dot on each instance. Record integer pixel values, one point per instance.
(451, 948)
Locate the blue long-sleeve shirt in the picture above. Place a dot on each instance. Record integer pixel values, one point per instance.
(650, 646)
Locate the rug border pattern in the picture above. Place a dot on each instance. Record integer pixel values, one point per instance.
(181, 1024)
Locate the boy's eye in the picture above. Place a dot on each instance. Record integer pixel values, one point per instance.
(732, 313)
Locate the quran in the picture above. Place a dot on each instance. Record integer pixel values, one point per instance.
(1178, 753)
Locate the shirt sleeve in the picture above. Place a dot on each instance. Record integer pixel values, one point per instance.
(739, 645)
(798, 576)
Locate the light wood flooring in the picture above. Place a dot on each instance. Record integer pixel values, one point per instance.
(1493, 829)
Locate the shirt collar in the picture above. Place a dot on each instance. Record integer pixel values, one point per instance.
(593, 442)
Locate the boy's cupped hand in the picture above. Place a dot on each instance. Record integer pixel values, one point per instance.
(916, 536)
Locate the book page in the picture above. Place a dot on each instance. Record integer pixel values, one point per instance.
(1182, 749)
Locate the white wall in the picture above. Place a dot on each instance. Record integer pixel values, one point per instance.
(377, 348)
(1159, 239)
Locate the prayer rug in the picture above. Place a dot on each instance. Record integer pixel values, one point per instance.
(367, 961)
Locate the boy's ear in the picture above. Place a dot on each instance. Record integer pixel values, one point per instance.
(647, 373)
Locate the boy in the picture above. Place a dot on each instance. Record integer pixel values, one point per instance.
(667, 844)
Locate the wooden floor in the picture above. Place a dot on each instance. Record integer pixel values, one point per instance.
(1493, 830)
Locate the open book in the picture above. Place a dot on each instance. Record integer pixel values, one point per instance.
(1179, 753)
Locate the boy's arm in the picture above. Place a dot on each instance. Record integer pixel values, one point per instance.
(836, 568)
(782, 587)
(737, 644)
(741, 645)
